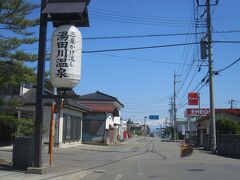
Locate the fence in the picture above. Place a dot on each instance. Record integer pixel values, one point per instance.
(229, 145)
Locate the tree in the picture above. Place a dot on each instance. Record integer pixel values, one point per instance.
(15, 24)
(129, 121)
(16, 31)
(227, 127)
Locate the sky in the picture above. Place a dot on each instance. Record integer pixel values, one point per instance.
(143, 79)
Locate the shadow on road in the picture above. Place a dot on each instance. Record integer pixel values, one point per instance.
(7, 166)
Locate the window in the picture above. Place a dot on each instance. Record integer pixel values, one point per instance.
(71, 128)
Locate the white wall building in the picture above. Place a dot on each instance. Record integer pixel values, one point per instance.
(68, 119)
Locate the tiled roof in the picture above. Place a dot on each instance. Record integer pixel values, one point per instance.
(71, 103)
(101, 107)
(99, 96)
(29, 98)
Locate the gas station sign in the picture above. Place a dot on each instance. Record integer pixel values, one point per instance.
(197, 112)
(193, 98)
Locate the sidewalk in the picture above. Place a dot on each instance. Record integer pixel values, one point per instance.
(74, 160)
(6, 148)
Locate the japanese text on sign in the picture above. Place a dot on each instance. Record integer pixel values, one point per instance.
(65, 52)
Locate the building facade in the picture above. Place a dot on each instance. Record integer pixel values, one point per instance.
(68, 118)
(101, 125)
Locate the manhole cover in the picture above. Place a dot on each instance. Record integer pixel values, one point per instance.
(196, 170)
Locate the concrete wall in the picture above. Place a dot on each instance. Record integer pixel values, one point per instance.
(229, 145)
(206, 142)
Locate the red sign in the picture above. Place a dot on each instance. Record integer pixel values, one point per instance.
(193, 98)
(196, 112)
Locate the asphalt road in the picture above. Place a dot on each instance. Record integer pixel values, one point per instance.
(138, 158)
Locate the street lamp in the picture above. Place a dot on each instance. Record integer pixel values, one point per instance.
(59, 12)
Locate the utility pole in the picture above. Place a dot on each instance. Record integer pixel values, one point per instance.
(40, 88)
(231, 102)
(145, 127)
(210, 70)
(174, 107)
(171, 110)
(171, 113)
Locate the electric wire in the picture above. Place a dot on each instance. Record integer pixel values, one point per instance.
(141, 59)
(136, 16)
(121, 20)
(139, 48)
(227, 67)
(183, 105)
(134, 19)
(187, 56)
(203, 81)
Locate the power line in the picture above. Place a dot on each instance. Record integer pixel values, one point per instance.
(188, 58)
(235, 45)
(203, 81)
(137, 19)
(155, 35)
(141, 59)
(141, 36)
(187, 49)
(152, 47)
(188, 71)
(187, 100)
(186, 90)
(231, 42)
(136, 16)
(130, 48)
(133, 22)
(225, 68)
(139, 48)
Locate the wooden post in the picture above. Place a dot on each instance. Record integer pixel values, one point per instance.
(51, 137)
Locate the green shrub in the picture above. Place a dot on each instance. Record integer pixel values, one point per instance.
(25, 127)
(227, 127)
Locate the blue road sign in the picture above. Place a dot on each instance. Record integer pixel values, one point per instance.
(154, 117)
